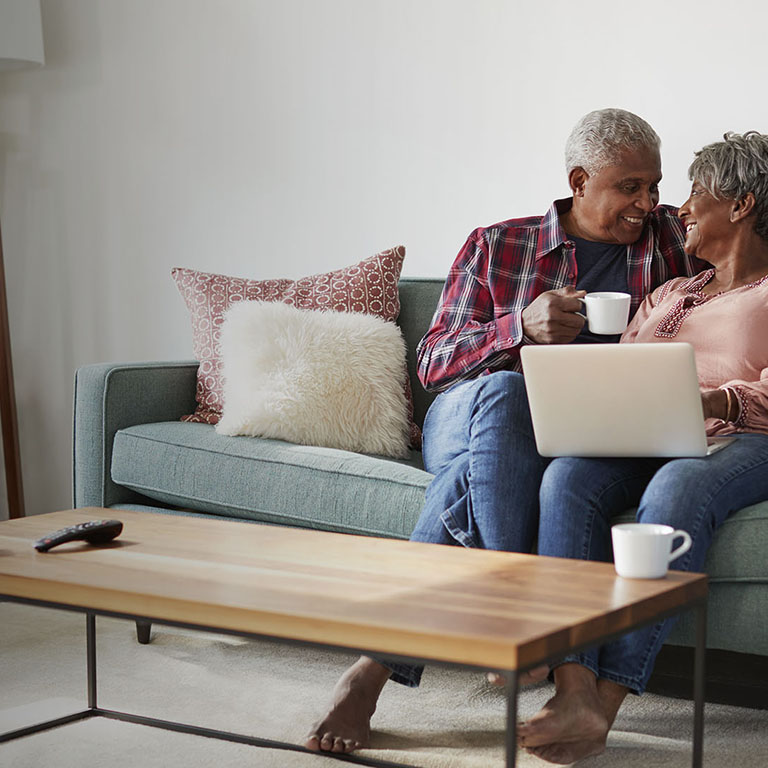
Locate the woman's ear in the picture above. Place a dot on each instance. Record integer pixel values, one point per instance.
(577, 179)
(743, 207)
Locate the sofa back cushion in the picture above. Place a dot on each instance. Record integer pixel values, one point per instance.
(369, 286)
(418, 301)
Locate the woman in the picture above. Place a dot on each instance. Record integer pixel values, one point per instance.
(723, 313)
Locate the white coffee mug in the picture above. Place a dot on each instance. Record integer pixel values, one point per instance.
(606, 311)
(643, 550)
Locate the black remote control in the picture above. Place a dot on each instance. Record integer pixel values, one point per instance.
(94, 532)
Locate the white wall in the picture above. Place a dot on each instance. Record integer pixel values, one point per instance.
(269, 139)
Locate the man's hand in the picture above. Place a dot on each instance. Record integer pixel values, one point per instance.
(551, 317)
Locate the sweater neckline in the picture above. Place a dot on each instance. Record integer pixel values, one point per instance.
(697, 283)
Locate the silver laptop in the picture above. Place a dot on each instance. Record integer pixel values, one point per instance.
(616, 400)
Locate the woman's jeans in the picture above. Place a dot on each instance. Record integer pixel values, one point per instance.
(492, 490)
(580, 496)
(479, 444)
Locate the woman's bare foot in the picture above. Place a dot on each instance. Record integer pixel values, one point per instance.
(535, 675)
(571, 681)
(574, 714)
(347, 724)
(567, 753)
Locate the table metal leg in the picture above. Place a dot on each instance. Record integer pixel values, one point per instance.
(511, 719)
(698, 684)
(90, 634)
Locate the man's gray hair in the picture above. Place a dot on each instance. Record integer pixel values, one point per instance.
(731, 168)
(600, 137)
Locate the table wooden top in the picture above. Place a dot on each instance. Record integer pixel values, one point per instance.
(491, 609)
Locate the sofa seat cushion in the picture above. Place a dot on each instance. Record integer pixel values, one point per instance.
(738, 547)
(188, 465)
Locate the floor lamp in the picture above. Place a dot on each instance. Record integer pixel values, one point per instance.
(21, 46)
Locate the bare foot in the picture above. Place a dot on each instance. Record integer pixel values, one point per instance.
(535, 675)
(567, 753)
(347, 724)
(574, 714)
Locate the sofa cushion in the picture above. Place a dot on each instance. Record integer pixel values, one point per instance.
(313, 377)
(736, 619)
(370, 286)
(188, 465)
(738, 546)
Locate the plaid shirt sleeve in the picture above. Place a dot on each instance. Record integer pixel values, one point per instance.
(465, 337)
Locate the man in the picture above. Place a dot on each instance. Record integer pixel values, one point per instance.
(515, 283)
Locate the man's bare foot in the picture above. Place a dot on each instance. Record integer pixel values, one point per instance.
(535, 675)
(346, 725)
(574, 714)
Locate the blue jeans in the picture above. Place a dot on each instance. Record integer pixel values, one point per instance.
(479, 444)
(579, 497)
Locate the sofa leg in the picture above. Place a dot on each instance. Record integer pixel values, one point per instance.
(143, 631)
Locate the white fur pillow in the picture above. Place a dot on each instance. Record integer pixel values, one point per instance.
(314, 377)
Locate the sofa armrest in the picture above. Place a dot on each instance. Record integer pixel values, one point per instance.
(110, 397)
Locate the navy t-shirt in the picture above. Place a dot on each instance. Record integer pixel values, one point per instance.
(599, 267)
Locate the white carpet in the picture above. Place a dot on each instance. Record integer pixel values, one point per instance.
(455, 720)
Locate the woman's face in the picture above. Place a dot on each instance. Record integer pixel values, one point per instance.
(707, 223)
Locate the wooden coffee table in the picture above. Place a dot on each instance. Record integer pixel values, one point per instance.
(409, 601)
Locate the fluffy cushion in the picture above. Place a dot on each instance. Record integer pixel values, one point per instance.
(369, 287)
(333, 379)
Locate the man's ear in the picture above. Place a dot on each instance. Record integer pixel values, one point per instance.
(577, 179)
(743, 207)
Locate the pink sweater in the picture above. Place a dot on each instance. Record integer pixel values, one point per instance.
(729, 333)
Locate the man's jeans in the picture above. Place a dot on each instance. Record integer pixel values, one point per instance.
(580, 496)
(479, 444)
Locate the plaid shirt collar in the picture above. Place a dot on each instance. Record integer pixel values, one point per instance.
(551, 232)
(552, 235)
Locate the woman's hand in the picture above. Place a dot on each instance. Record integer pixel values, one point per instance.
(715, 404)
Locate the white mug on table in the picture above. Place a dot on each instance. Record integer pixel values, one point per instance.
(644, 550)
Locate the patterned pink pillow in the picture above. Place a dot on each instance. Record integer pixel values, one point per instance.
(369, 287)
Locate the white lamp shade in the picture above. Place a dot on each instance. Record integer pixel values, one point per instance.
(21, 34)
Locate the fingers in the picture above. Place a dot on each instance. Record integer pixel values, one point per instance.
(551, 317)
(568, 299)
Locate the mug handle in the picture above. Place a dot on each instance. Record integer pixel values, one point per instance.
(581, 299)
(684, 547)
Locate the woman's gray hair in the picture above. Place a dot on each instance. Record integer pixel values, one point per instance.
(600, 137)
(731, 168)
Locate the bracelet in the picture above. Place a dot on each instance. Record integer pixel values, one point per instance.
(729, 403)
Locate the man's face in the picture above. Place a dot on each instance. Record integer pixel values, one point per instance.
(615, 201)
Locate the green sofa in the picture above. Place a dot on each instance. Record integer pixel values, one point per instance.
(132, 452)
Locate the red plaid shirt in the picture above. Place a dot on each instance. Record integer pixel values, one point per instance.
(477, 327)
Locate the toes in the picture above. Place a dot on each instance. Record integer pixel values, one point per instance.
(537, 674)
(330, 743)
